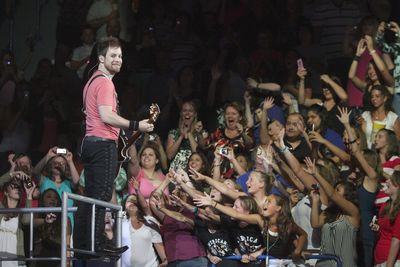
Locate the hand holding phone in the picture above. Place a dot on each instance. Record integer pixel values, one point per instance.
(61, 151)
(300, 64)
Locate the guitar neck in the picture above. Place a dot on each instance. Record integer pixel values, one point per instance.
(133, 138)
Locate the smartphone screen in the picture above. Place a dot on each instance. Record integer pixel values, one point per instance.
(300, 64)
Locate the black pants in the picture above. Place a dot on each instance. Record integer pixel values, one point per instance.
(100, 164)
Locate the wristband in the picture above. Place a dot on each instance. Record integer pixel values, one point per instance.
(372, 52)
(284, 149)
(356, 58)
(133, 125)
(257, 85)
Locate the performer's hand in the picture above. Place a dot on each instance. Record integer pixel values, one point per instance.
(145, 126)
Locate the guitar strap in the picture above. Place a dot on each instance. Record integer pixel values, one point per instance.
(87, 89)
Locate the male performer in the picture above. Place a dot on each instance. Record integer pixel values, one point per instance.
(99, 146)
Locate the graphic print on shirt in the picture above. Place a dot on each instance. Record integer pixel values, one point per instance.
(248, 244)
(219, 247)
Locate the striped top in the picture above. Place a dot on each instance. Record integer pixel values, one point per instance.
(334, 23)
(339, 238)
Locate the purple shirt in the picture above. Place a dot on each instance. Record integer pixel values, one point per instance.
(179, 240)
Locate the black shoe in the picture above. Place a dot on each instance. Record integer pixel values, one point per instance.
(111, 251)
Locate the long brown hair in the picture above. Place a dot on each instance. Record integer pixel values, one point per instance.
(396, 204)
(285, 219)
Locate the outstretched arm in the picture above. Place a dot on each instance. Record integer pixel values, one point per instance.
(216, 184)
(249, 218)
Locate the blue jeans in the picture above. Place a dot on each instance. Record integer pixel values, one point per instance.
(195, 262)
(100, 163)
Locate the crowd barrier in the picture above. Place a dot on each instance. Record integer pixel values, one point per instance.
(311, 257)
(64, 210)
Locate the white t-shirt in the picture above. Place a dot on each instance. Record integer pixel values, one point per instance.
(301, 215)
(100, 9)
(80, 53)
(140, 242)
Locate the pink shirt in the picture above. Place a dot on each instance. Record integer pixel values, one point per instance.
(100, 93)
(145, 186)
(355, 94)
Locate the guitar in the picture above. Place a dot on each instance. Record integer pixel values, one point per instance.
(125, 142)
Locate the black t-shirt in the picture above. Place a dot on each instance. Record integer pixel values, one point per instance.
(300, 152)
(247, 239)
(278, 247)
(218, 244)
(332, 122)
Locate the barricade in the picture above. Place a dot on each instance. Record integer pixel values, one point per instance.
(64, 210)
(311, 257)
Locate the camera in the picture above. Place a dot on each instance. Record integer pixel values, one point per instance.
(315, 187)
(223, 151)
(389, 35)
(61, 151)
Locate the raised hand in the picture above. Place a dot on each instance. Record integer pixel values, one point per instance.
(361, 46)
(325, 78)
(310, 166)
(279, 140)
(302, 73)
(344, 117)
(287, 99)
(394, 27)
(10, 159)
(369, 42)
(268, 103)
(203, 201)
(134, 183)
(29, 190)
(196, 175)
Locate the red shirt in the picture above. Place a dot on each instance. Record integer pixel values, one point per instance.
(101, 93)
(386, 233)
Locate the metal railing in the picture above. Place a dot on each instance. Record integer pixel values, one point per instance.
(32, 211)
(311, 257)
(64, 210)
(94, 203)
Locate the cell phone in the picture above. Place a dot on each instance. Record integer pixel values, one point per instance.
(151, 137)
(223, 151)
(300, 64)
(313, 127)
(374, 220)
(61, 151)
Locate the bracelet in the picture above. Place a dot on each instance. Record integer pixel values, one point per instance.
(352, 142)
(257, 85)
(372, 52)
(195, 210)
(133, 125)
(356, 58)
(284, 149)
(216, 203)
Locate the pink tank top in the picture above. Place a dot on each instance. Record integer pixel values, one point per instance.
(145, 186)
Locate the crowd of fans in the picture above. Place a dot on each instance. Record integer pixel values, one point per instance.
(278, 133)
